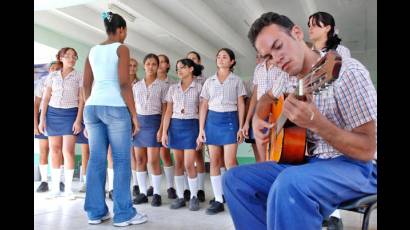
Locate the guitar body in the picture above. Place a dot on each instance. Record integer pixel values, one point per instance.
(289, 144)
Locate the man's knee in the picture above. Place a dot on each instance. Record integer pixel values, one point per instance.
(289, 180)
(231, 176)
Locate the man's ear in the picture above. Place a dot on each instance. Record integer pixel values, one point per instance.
(297, 32)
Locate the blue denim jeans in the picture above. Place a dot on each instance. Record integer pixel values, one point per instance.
(108, 125)
(292, 197)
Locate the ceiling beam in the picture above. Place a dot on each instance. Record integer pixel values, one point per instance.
(93, 19)
(253, 8)
(206, 17)
(309, 7)
(157, 16)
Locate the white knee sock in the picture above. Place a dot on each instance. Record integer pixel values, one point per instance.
(156, 183)
(55, 180)
(201, 181)
(216, 182)
(62, 173)
(336, 214)
(179, 184)
(43, 172)
(110, 179)
(186, 185)
(68, 180)
(149, 174)
(134, 177)
(142, 181)
(193, 186)
(223, 170)
(169, 174)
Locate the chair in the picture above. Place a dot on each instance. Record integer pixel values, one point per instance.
(364, 205)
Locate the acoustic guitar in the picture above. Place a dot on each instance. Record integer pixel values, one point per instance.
(287, 142)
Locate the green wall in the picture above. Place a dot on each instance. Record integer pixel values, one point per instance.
(58, 41)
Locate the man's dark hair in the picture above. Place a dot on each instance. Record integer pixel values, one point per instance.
(267, 19)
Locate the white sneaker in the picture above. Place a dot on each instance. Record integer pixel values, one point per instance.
(53, 194)
(69, 195)
(99, 221)
(139, 218)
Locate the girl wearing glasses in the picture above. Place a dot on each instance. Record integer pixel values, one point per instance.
(61, 118)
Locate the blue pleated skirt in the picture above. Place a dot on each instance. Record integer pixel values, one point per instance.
(81, 139)
(40, 136)
(182, 133)
(149, 126)
(221, 127)
(59, 122)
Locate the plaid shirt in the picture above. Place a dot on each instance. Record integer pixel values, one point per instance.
(185, 104)
(64, 91)
(39, 89)
(168, 81)
(265, 78)
(200, 79)
(248, 87)
(223, 97)
(343, 51)
(149, 100)
(349, 102)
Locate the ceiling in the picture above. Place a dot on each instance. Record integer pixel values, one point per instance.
(175, 27)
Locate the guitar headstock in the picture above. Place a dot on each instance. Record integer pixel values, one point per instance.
(323, 73)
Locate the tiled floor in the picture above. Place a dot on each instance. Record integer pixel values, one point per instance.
(61, 214)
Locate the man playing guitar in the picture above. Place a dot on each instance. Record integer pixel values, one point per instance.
(341, 131)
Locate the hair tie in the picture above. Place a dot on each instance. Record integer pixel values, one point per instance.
(106, 15)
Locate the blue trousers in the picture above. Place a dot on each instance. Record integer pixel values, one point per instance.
(108, 125)
(280, 196)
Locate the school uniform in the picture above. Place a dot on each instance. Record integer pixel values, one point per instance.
(184, 124)
(222, 123)
(200, 79)
(38, 92)
(148, 102)
(63, 105)
(265, 78)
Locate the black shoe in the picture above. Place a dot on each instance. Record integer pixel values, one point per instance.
(187, 195)
(156, 200)
(194, 204)
(140, 198)
(43, 187)
(325, 222)
(201, 195)
(216, 207)
(178, 203)
(62, 187)
(172, 194)
(335, 223)
(150, 191)
(136, 190)
(110, 194)
(213, 200)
